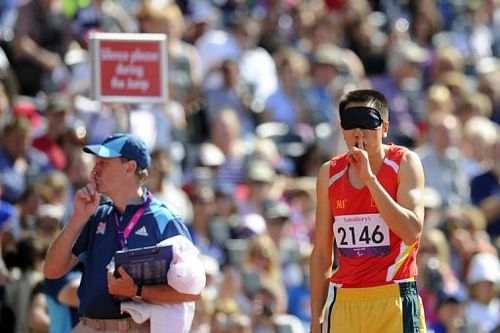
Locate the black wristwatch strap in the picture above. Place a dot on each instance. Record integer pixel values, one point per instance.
(138, 290)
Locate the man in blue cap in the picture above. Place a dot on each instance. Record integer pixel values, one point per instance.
(131, 219)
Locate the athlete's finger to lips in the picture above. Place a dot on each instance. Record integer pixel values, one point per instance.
(360, 143)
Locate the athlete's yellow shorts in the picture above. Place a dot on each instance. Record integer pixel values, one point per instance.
(393, 308)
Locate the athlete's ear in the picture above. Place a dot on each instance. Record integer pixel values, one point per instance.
(385, 128)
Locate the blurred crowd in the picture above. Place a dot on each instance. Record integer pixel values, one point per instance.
(251, 115)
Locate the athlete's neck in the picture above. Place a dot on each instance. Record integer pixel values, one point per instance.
(377, 158)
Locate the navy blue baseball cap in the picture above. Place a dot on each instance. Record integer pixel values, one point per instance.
(128, 146)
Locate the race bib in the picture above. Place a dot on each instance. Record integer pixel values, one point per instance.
(361, 235)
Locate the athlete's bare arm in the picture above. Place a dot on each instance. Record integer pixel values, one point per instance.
(322, 254)
(405, 215)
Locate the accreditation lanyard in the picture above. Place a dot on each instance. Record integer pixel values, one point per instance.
(123, 234)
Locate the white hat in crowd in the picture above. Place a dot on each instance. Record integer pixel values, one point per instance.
(253, 223)
(484, 267)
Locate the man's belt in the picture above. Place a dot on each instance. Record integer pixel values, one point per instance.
(121, 325)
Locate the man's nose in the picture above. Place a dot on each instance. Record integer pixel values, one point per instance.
(358, 132)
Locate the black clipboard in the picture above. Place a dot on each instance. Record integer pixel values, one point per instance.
(147, 265)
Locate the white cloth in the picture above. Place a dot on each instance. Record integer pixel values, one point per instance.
(186, 273)
(165, 318)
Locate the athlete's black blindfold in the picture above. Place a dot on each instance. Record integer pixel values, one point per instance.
(363, 117)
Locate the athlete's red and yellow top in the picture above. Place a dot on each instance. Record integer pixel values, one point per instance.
(368, 252)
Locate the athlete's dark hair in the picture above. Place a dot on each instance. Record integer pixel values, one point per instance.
(373, 98)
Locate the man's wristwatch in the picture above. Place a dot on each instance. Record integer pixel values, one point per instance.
(138, 293)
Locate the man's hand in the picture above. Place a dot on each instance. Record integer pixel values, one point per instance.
(358, 158)
(85, 202)
(123, 285)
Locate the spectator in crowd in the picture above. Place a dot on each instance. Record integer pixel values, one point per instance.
(451, 315)
(54, 302)
(78, 167)
(228, 317)
(425, 22)
(256, 65)
(48, 221)
(458, 84)
(266, 316)
(20, 163)
(201, 16)
(202, 229)
(446, 59)
(474, 104)
(364, 37)
(38, 319)
(487, 79)
(465, 228)
(233, 93)
(9, 229)
(320, 96)
(62, 301)
(483, 278)
(226, 134)
(100, 16)
(438, 100)
(261, 266)
(260, 177)
(277, 215)
(300, 197)
(28, 107)
(56, 112)
(299, 293)
(42, 35)
(480, 135)
(27, 206)
(442, 152)
(8, 219)
(436, 275)
(161, 184)
(53, 188)
(434, 210)
(8, 13)
(6, 99)
(403, 86)
(485, 193)
(287, 104)
(183, 59)
(30, 252)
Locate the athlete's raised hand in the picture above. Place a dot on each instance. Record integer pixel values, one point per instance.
(358, 159)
